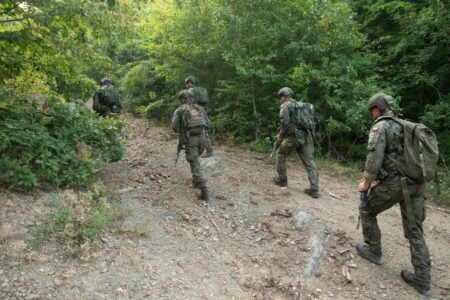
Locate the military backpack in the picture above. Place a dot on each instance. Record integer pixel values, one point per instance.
(200, 95)
(193, 119)
(420, 151)
(306, 116)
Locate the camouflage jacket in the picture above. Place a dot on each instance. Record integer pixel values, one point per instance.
(385, 139)
(177, 119)
(287, 117)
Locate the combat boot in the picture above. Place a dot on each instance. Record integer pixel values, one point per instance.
(278, 181)
(421, 286)
(312, 192)
(365, 252)
(204, 194)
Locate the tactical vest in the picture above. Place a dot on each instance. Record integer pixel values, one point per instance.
(193, 120)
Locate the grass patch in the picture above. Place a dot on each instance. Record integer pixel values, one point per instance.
(438, 190)
(78, 219)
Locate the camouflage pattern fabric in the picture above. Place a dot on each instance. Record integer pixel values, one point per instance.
(194, 144)
(201, 98)
(385, 139)
(306, 152)
(107, 101)
(288, 117)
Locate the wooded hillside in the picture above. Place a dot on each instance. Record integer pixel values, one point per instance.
(334, 54)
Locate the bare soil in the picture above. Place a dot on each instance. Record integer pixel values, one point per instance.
(252, 240)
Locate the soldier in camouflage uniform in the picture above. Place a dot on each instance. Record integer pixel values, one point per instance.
(193, 140)
(201, 98)
(386, 142)
(106, 101)
(291, 138)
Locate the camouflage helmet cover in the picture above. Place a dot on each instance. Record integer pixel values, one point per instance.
(105, 80)
(286, 91)
(191, 79)
(382, 101)
(186, 94)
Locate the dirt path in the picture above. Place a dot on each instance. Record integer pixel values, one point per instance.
(252, 240)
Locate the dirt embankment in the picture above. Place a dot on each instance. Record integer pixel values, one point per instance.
(252, 240)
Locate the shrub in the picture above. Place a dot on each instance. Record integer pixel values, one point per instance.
(53, 142)
(78, 219)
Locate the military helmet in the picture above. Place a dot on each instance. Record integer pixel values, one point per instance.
(286, 91)
(105, 80)
(187, 94)
(382, 101)
(191, 79)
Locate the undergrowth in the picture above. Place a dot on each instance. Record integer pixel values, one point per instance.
(54, 142)
(77, 219)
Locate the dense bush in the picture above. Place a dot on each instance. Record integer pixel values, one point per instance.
(53, 142)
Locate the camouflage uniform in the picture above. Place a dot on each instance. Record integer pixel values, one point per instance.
(201, 98)
(106, 101)
(298, 140)
(194, 144)
(385, 140)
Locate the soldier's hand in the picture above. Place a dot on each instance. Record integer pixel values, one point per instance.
(364, 185)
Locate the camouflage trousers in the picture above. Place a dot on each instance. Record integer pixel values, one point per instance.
(208, 146)
(194, 148)
(382, 197)
(304, 149)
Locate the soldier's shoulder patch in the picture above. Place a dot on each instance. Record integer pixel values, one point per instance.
(375, 129)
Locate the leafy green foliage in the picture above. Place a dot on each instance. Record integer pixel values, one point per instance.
(245, 51)
(56, 142)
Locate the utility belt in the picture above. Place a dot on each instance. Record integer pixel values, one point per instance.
(194, 131)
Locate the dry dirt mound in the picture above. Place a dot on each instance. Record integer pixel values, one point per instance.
(252, 240)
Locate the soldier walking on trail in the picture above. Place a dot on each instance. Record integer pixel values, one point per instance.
(201, 98)
(191, 123)
(292, 136)
(385, 146)
(107, 99)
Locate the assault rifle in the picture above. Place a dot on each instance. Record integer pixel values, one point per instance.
(362, 200)
(274, 148)
(179, 148)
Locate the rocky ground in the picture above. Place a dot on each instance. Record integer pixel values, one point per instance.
(252, 240)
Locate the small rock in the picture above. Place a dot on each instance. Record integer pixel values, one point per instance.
(33, 297)
(120, 291)
(382, 286)
(58, 281)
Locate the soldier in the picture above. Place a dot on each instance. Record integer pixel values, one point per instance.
(201, 98)
(384, 146)
(191, 123)
(107, 99)
(292, 137)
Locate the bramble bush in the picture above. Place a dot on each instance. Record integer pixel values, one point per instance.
(52, 141)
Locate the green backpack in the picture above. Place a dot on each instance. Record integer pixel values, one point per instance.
(420, 151)
(200, 95)
(306, 116)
